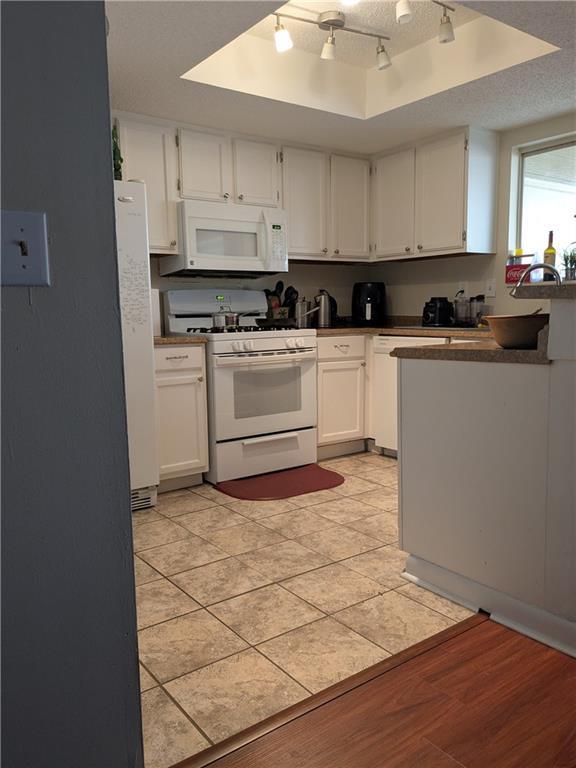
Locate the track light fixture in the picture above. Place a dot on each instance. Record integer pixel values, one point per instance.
(349, 2)
(282, 39)
(329, 47)
(403, 12)
(446, 31)
(382, 58)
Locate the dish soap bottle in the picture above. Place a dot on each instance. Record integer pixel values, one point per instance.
(550, 256)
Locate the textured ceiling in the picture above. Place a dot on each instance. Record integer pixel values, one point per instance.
(370, 16)
(152, 43)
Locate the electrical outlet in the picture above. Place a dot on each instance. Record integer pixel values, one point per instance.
(490, 291)
(463, 286)
(24, 248)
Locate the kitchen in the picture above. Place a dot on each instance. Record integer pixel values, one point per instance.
(311, 269)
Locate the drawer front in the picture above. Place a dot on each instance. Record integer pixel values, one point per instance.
(341, 347)
(178, 358)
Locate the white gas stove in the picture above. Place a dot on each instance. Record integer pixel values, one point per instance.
(261, 384)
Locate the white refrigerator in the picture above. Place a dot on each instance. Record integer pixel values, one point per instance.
(137, 339)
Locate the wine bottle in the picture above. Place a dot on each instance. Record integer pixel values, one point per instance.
(550, 257)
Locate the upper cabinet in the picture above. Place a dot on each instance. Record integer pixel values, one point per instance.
(150, 155)
(393, 204)
(256, 172)
(205, 166)
(349, 207)
(305, 177)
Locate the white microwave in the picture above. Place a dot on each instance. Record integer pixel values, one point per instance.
(229, 239)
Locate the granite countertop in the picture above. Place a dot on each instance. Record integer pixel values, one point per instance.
(442, 333)
(160, 341)
(547, 291)
(478, 352)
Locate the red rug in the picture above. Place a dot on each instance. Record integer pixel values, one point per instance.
(282, 485)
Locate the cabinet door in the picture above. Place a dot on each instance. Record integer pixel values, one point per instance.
(340, 401)
(205, 166)
(256, 177)
(393, 211)
(305, 192)
(440, 176)
(150, 155)
(182, 422)
(349, 206)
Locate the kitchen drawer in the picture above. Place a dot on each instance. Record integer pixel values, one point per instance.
(341, 347)
(178, 358)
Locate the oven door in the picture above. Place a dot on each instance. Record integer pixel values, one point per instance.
(261, 393)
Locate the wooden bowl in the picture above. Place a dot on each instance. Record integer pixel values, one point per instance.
(517, 331)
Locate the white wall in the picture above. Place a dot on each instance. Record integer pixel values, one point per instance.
(410, 284)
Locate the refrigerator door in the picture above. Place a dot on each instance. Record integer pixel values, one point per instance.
(137, 334)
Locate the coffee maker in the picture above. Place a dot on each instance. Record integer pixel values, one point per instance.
(368, 304)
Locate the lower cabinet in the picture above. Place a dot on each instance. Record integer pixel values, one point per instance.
(182, 410)
(341, 389)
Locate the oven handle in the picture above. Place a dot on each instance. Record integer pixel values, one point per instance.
(275, 359)
(270, 438)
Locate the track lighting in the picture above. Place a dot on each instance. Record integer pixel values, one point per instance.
(329, 47)
(403, 12)
(282, 38)
(382, 58)
(446, 33)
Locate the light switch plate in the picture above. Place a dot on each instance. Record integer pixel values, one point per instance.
(490, 288)
(25, 248)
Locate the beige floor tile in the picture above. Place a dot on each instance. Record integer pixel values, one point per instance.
(160, 601)
(182, 555)
(347, 465)
(146, 680)
(386, 476)
(244, 538)
(392, 621)
(383, 526)
(153, 534)
(279, 561)
(183, 503)
(168, 734)
(257, 509)
(353, 485)
(297, 523)
(343, 510)
(232, 694)
(339, 542)
(184, 644)
(209, 492)
(383, 565)
(212, 519)
(377, 460)
(143, 573)
(385, 499)
(219, 581)
(322, 653)
(145, 516)
(435, 602)
(333, 587)
(265, 613)
(316, 497)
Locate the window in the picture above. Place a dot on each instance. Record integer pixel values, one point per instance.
(547, 201)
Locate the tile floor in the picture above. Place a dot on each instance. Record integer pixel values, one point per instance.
(245, 608)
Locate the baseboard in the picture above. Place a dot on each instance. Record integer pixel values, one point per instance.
(334, 450)
(529, 620)
(177, 483)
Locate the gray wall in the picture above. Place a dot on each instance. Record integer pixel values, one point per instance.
(69, 636)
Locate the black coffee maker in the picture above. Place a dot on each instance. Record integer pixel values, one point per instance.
(368, 304)
(438, 311)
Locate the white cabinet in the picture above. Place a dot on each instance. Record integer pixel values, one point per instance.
(205, 166)
(150, 155)
(393, 204)
(182, 410)
(349, 207)
(256, 173)
(305, 193)
(341, 389)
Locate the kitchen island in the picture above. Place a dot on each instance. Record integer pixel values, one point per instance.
(488, 475)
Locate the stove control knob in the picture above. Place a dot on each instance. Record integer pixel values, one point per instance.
(290, 343)
(237, 346)
(299, 343)
(248, 345)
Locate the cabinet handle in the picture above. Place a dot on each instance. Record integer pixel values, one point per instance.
(324, 250)
(172, 243)
(336, 251)
(407, 249)
(240, 197)
(226, 195)
(177, 357)
(342, 346)
(419, 247)
(363, 365)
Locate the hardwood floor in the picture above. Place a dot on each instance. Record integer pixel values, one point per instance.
(484, 697)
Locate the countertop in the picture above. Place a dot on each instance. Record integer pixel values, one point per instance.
(547, 291)
(478, 352)
(442, 333)
(161, 341)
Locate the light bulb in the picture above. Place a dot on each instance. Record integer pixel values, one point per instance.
(446, 33)
(282, 38)
(329, 48)
(382, 58)
(403, 12)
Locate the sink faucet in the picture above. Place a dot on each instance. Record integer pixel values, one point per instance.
(531, 268)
